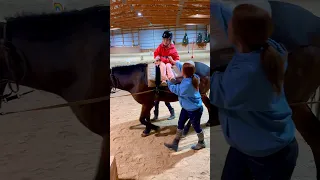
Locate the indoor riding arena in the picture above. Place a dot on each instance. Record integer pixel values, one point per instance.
(136, 31)
(49, 144)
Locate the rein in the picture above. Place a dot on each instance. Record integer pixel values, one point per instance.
(114, 83)
(105, 98)
(74, 103)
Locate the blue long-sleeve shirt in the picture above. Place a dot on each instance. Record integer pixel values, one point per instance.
(189, 97)
(254, 119)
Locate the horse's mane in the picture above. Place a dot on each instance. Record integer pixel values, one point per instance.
(52, 26)
(130, 68)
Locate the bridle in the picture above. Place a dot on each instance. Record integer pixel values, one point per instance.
(5, 47)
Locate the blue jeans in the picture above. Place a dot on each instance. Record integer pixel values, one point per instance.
(278, 166)
(156, 106)
(194, 116)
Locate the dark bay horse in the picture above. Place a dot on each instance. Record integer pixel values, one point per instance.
(66, 54)
(299, 30)
(134, 80)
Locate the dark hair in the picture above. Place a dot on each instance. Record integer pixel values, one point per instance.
(189, 70)
(252, 26)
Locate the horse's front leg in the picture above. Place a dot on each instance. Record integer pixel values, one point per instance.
(308, 125)
(145, 120)
(206, 102)
(102, 172)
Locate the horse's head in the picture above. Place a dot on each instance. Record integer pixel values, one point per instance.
(112, 82)
(3, 70)
(12, 64)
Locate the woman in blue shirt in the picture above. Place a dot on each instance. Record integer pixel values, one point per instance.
(254, 114)
(191, 103)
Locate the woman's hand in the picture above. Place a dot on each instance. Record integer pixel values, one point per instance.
(171, 60)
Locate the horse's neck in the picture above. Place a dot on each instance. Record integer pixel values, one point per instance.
(130, 82)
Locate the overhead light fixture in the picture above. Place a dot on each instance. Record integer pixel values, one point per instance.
(139, 14)
(112, 26)
(199, 16)
(113, 29)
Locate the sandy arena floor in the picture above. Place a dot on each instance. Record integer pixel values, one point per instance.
(147, 158)
(53, 145)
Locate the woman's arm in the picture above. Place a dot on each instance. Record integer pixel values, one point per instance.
(178, 65)
(178, 89)
(231, 90)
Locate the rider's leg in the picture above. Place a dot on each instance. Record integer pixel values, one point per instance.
(169, 71)
(163, 72)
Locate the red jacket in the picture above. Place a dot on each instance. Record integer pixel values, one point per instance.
(164, 52)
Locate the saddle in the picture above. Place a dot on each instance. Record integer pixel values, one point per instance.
(155, 74)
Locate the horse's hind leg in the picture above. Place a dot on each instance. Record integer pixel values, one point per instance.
(145, 120)
(308, 125)
(302, 79)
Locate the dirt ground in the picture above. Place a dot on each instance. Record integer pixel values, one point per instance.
(53, 145)
(147, 158)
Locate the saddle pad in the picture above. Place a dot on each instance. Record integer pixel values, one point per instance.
(151, 74)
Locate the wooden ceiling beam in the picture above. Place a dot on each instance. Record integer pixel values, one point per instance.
(169, 2)
(161, 12)
(164, 12)
(158, 10)
(160, 15)
(157, 18)
(162, 2)
(156, 23)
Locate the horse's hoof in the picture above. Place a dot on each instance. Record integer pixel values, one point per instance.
(158, 130)
(144, 134)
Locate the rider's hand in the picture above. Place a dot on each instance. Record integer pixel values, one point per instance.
(171, 60)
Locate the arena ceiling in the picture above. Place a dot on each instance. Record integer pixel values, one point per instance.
(129, 14)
